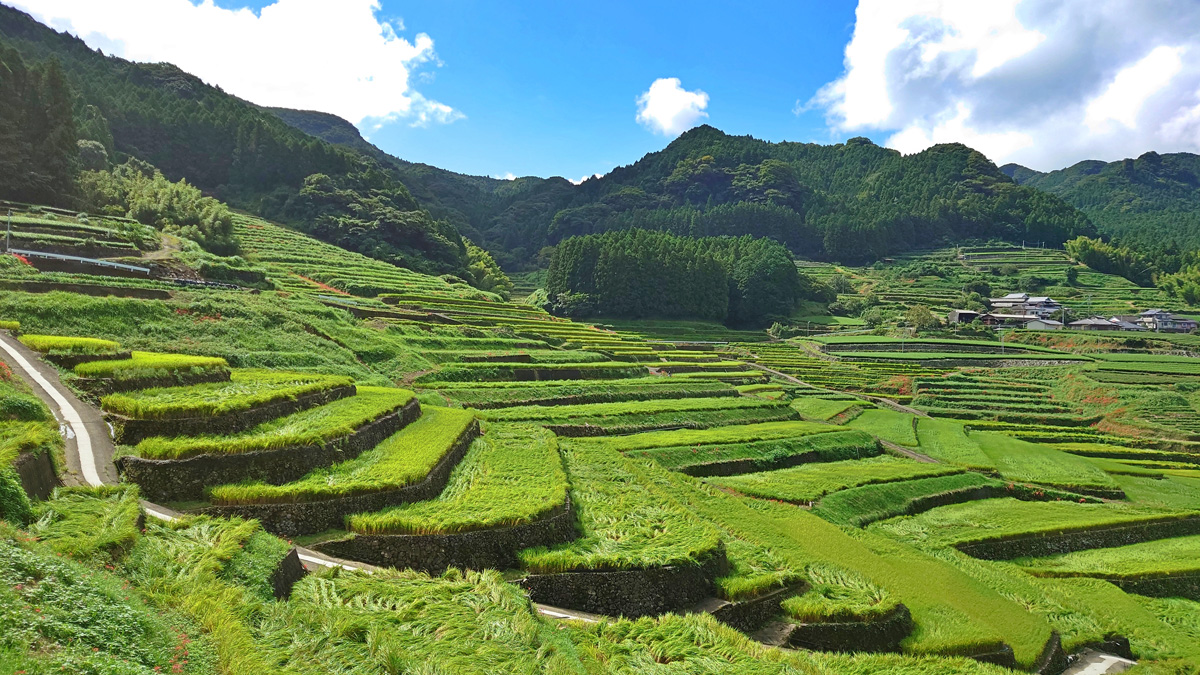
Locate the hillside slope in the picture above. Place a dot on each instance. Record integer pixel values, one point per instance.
(1149, 202)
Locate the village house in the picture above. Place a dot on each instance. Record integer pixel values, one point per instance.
(1043, 324)
(1160, 320)
(1037, 306)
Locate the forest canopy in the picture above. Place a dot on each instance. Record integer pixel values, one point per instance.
(640, 273)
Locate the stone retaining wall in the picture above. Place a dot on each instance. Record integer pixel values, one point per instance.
(286, 574)
(130, 431)
(882, 635)
(631, 593)
(96, 290)
(309, 517)
(1168, 586)
(37, 475)
(478, 549)
(99, 386)
(1053, 659)
(750, 615)
(69, 361)
(185, 479)
(1044, 544)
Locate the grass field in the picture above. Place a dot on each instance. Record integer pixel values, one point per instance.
(812, 481)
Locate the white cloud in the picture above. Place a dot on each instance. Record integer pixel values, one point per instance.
(303, 54)
(583, 178)
(667, 108)
(508, 175)
(1042, 82)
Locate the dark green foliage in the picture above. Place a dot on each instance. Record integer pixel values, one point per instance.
(639, 273)
(38, 152)
(139, 191)
(1119, 260)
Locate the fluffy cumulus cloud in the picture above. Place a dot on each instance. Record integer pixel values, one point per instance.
(339, 57)
(667, 108)
(1045, 83)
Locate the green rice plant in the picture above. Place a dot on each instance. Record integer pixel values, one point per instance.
(594, 391)
(821, 409)
(837, 594)
(992, 519)
(403, 459)
(96, 525)
(1162, 557)
(574, 413)
(745, 433)
(625, 522)
(307, 427)
(148, 364)
(889, 425)
(511, 476)
(10, 325)
(1171, 491)
(859, 506)
(764, 455)
(64, 345)
(473, 623)
(508, 371)
(947, 441)
(810, 482)
(1020, 460)
(245, 389)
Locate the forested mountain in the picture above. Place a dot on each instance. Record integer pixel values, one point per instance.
(1151, 203)
(852, 201)
(223, 145)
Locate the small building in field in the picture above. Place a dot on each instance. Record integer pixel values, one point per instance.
(1162, 321)
(1125, 323)
(1036, 306)
(961, 316)
(998, 319)
(1044, 324)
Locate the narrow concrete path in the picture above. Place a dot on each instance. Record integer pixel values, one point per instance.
(89, 450)
(1091, 662)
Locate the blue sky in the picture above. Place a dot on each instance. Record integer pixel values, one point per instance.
(573, 89)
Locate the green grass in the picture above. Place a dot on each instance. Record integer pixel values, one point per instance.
(569, 413)
(60, 344)
(815, 408)
(308, 427)
(245, 389)
(10, 325)
(148, 364)
(1179, 555)
(404, 458)
(810, 482)
(991, 519)
(1024, 461)
(889, 425)
(574, 392)
(99, 525)
(837, 594)
(511, 476)
(859, 506)
(828, 446)
(745, 433)
(625, 522)
(947, 441)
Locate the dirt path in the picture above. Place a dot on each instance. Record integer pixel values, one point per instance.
(89, 449)
(874, 399)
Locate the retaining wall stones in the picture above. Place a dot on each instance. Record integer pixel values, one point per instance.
(309, 517)
(286, 574)
(69, 361)
(1051, 543)
(37, 475)
(882, 635)
(185, 479)
(751, 615)
(99, 386)
(631, 593)
(478, 549)
(129, 431)
(96, 290)
(1167, 586)
(1053, 659)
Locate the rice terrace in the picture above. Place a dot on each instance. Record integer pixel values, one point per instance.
(276, 400)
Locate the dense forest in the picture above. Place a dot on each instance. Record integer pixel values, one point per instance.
(64, 102)
(853, 201)
(743, 281)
